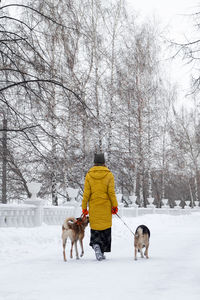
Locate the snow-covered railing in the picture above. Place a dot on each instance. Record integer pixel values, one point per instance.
(56, 215)
(34, 213)
(17, 215)
(133, 210)
(29, 215)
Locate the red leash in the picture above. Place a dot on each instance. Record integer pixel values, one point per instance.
(80, 220)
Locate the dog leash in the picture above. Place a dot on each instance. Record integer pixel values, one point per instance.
(125, 224)
(80, 220)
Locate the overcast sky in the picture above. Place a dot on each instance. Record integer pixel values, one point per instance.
(171, 12)
(176, 23)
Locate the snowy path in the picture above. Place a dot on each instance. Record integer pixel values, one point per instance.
(31, 265)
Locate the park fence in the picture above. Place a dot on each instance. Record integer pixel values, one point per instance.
(34, 213)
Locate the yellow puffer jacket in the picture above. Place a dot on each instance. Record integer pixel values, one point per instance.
(99, 191)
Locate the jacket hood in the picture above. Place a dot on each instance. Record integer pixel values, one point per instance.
(98, 172)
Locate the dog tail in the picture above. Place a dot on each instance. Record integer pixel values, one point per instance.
(69, 223)
(140, 231)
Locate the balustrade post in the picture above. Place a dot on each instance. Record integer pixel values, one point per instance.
(133, 199)
(187, 205)
(34, 188)
(151, 205)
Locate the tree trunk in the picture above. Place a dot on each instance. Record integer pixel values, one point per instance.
(4, 169)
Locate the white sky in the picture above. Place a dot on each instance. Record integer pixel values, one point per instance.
(174, 17)
(169, 12)
(163, 7)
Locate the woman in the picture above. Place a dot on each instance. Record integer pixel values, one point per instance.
(99, 195)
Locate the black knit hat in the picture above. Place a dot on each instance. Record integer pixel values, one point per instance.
(99, 158)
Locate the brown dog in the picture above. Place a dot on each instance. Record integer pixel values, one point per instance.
(141, 239)
(75, 230)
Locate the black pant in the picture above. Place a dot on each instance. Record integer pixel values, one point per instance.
(101, 237)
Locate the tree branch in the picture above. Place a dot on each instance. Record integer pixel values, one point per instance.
(38, 12)
(20, 129)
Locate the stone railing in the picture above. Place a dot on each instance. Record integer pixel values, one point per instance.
(56, 215)
(133, 210)
(34, 213)
(17, 215)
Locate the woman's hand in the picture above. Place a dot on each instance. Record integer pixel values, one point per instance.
(114, 210)
(85, 212)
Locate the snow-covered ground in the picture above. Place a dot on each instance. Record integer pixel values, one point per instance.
(32, 266)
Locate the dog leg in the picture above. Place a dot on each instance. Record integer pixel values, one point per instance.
(141, 252)
(76, 249)
(81, 244)
(71, 251)
(136, 250)
(146, 251)
(64, 244)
